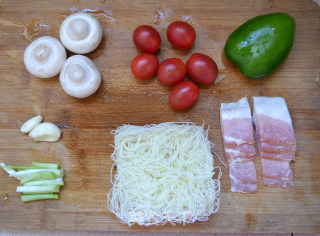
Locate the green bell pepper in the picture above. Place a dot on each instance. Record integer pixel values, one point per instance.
(260, 45)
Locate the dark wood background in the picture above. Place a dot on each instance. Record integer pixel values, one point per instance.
(84, 150)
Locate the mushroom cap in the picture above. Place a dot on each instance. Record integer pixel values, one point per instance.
(80, 33)
(80, 77)
(45, 57)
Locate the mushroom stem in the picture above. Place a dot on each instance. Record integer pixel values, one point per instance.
(78, 29)
(77, 73)
(41, 53)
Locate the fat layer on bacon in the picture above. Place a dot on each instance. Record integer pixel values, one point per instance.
(276, 140)
(237, 131)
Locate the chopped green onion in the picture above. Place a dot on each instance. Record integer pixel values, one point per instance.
(39, 165)
(8, 170)
(36, 165)
(34, 197)
(57, 181)
(32, 193)
(36, 176)
(38, 189)
(40, 180)
(20, 167)
(20, 174)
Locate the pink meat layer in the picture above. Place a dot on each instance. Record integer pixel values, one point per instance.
(274, 131)
(245, 150)
(277, 156)
(238, 128)
(243, 177)
(274, 148)
(239, 187)
(276, 169)
(277, 182)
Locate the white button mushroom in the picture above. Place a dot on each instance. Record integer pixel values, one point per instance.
(80, 77)
(80, 33)
(44, 57)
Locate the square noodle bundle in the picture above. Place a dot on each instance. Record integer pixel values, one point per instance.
(164, 174)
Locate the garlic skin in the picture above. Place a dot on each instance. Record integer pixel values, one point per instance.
(81, 33)
(44, 57)
(80, 77)
(45, 132)
(31, 124)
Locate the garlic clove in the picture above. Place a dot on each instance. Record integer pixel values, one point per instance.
(45, 132)
(30, 124)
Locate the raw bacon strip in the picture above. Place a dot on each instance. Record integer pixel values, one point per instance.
(243, 177)
(276, 140)
(245, 151)
(276, 169)
(273, 148)
(237, 131)
(275, 126)
(277, 182)
(277, 156)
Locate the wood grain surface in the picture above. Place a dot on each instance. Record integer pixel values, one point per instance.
(84, 150)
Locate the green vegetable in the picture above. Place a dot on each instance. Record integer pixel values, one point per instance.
(57, 181)
(40, 180)
(260, 45)
(20, 167)
(20, 174)
(35, 165)
(34, 197)
(38, 189)
(36, 176)
(39, 165)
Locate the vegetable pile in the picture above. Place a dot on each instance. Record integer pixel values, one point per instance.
(46, 56)
(201, 68)
(39, 181)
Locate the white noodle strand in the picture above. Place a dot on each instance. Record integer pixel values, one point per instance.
(164, 174)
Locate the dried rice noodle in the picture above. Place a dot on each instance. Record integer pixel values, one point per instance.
(164, 174)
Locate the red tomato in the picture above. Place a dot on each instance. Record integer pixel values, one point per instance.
(181, 34)
(144, 66)
(171, 71)
(147, 38)
(183, 95)
(202, 69)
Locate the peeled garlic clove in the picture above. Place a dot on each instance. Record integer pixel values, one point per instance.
(45, 132)
(30, 124)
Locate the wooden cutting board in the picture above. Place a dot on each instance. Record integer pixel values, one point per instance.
(84, 150)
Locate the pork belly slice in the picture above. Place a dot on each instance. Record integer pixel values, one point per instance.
(276, 140)
(236, 123)
(237, 131)
(277, 156)
(243, 177)
(276, 169)
(277, 182)
(244, 151)
(273, 148)
(273, 121)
